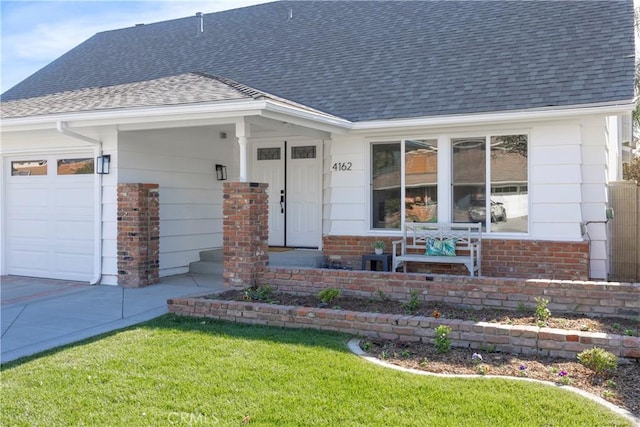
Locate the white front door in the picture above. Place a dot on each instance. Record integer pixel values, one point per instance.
(293, 171)
(50, 215)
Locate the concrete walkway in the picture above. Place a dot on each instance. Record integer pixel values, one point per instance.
(39, 314)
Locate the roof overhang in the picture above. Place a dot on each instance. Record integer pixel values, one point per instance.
(546, 113)
(181, 115)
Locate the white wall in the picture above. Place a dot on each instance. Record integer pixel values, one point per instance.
(561, 188)
(182, 161)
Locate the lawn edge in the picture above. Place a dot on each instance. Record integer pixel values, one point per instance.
(354, 347)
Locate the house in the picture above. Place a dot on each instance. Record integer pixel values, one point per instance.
(357, 114)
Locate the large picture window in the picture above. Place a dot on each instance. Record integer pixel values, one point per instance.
(416, 191)
(502, 173)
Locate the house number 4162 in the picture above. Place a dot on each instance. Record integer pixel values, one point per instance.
(342, 166)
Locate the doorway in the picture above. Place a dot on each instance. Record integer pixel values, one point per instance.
(293, 171)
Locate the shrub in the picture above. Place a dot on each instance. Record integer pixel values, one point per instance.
(412, 305)
(329, 294)
(259, 293)
(599, 360)
(442, 341)
(542, 312)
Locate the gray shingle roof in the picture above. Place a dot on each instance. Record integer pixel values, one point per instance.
(366, 60)
(189, 88)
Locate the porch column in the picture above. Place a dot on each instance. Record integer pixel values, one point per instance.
(245, 213)
(138, 235)
(243, 133)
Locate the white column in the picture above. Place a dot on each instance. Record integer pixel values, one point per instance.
(242, 133)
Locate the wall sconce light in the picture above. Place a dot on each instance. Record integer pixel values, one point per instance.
(221, 172)
(102, 164)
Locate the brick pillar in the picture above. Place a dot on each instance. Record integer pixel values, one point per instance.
(138, 235)
(245, 232)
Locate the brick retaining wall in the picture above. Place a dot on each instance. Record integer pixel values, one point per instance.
(591, 298)
(467, 334)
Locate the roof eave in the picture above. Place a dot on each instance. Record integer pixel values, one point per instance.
(200, 111)
(546, 113)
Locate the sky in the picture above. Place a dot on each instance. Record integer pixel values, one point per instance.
(34, 33)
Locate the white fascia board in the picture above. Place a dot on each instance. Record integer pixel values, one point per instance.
(138, 115)
(497, 117)
(298, 116)
(141, 117)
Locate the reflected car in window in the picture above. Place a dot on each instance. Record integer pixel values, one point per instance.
(478, 211)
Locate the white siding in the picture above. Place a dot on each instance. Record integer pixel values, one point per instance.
(182, 162)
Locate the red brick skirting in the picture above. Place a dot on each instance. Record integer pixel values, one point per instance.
(467, 334)
(500, 257)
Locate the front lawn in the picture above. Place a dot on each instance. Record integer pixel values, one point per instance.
(185, 371)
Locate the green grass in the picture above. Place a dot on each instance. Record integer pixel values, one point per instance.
(182, 371)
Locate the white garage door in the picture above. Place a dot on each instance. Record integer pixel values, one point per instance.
(50, 216)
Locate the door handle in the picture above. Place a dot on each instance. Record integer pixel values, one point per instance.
(281, 201)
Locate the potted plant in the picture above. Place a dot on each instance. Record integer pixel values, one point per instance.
(378, 246)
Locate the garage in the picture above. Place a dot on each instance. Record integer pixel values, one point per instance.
(49, 216)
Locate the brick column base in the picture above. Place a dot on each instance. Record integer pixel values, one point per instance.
(245, 232)
(138, 235)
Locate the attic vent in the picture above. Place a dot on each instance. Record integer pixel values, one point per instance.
(200, 28)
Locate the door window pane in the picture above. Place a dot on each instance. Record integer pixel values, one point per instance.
(469, 179)
(28, 167)
(75, 166)
(272, 153)
(421, 180)
(509, 183)
(385, 183)
(303, 152)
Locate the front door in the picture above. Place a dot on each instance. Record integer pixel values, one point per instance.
(293, 172)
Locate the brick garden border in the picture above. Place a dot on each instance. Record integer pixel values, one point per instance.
(466, 334)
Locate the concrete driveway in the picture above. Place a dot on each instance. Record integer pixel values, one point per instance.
(39, 314)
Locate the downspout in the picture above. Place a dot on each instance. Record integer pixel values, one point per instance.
(97, 211)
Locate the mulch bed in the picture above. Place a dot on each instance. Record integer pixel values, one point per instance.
(620, 388)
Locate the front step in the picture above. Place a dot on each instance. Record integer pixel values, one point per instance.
(211, 261)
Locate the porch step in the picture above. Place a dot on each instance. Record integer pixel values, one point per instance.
(211, 262)
(296, 258)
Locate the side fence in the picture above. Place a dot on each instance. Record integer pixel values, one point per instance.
(624, 197)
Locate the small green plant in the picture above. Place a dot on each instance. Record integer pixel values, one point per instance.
(258, 293)
(405, 354)
(482, 369)
(424, 362)
(542, 313)
(522, 308)
(607, 394)
(412, 305)
(384, 355)
(611, 384)
(442, 341)
(366, 346)
(329, 294)
(382, 296)
(615, 326)
(563, 377)
(629, 332)
(599, 360)
(379, 244)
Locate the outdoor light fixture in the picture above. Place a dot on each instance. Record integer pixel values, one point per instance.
(102, 164)
(221, 172)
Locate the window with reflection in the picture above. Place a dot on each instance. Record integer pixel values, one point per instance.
(506, 171)
(420, 191)
(421, 180)
(509, 183)
(75, 166)
(385, 183)
(28, 167)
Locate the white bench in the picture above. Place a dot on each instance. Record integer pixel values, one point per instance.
(412, 247)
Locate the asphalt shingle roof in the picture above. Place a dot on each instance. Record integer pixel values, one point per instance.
(189, 88)
(366, 60)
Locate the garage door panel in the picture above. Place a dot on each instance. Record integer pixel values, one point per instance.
(28, 197)
(28, 228)
(50, 224)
